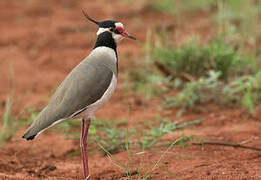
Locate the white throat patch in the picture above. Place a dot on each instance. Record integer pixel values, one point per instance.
(117, 37)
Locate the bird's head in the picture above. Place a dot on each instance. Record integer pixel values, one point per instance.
(114, 27)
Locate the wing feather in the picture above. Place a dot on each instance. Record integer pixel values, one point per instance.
(83, 86)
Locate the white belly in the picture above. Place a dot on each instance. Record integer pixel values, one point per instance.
(91, 109)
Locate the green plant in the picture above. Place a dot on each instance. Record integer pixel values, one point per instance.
(195, 92)
(194, 60)
(149, 83)
(145, 77)
(131, 162)
(239, 16)
(154, 135)
(8, 126)
(245, 90)
(156, 164)
(176, 6)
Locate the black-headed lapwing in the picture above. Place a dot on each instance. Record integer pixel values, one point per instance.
(88, 86)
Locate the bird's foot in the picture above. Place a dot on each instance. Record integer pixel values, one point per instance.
(87, 177)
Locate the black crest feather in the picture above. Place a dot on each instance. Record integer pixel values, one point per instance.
(89, 18)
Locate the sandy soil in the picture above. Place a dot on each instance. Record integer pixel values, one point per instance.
(41, 41)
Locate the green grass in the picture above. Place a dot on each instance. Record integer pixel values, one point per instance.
(234, 16)
(216, 72)
(112, 134)
(153, 136)
(239, 16)
(196, 92)
(236, 19)
(244, 90)
(132, 168)
(195, 60)
(150, 138)
(8, 126)
(147, 82)
(177, 6)
(8, 123)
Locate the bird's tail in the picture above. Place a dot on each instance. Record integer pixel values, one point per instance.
(36, 127)
(30, 133)
(41, 123)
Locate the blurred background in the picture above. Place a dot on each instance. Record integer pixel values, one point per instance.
(192, 76)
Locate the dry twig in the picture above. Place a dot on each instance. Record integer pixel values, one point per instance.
(228, 144)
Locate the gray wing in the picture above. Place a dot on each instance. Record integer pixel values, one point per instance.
(82, 87)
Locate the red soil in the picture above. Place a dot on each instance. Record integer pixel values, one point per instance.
(41, 41)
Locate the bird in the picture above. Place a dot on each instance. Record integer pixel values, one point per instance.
(86, 88)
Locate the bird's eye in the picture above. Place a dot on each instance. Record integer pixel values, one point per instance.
(112, 29)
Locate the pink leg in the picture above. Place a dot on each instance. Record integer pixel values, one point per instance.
(83, 145)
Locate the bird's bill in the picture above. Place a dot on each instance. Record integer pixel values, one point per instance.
(127, 35)
(124, 33)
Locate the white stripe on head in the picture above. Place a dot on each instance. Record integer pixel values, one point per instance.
(101, 30)
(119, 24)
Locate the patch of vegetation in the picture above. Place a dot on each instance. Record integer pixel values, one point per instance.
(153, 136)
(176, 6)
(195, 92)
(114, 140)
(244, 90)
(214, 72)
(132, 168)
(192, 60)
(232, 16)
(111, 134)
(239, 16)
(8, 126)
(149, 83)
(145, 78)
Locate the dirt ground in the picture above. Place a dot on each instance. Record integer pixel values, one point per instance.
(41, 41)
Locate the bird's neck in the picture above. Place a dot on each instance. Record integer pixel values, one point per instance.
(106, 39)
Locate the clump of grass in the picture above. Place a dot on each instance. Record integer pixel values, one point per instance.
(154, 135)
(112, 137)
(150, 84)
(145, 77)
(8, 126)
(201, 73)
(244, 90)
(232, 16)
(109, 134)
(195, 60)
(195, 92)
(239, 16)
(132, 168)
(176, 6)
